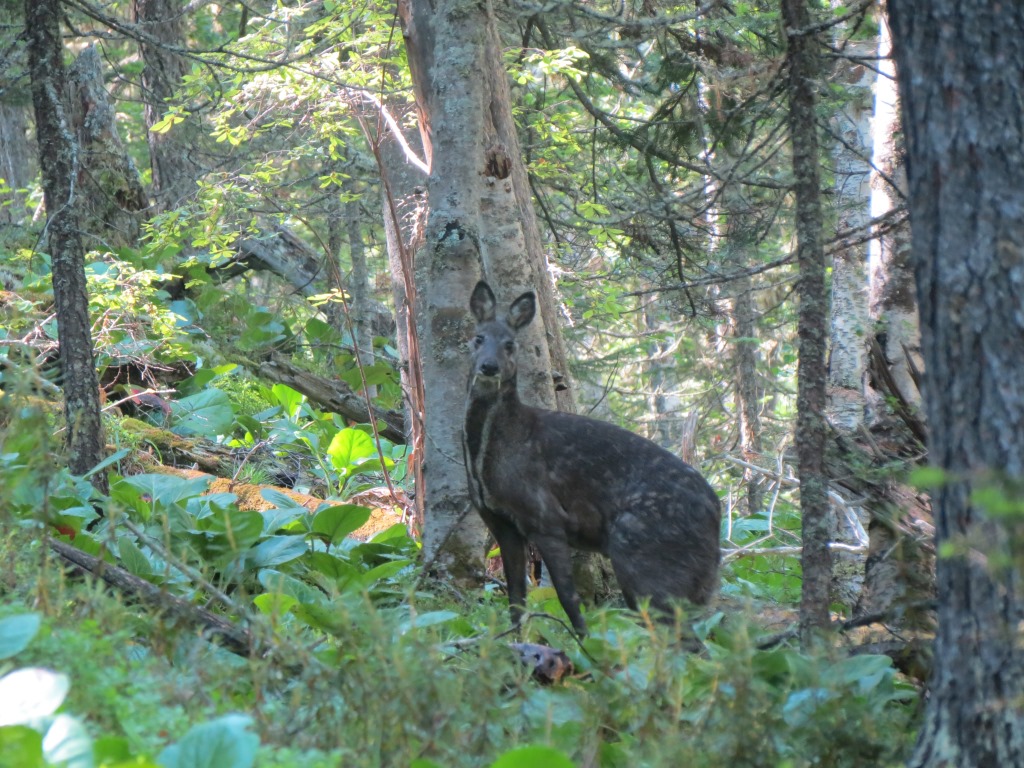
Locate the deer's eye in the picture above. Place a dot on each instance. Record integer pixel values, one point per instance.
(478, 340)
(510, 346)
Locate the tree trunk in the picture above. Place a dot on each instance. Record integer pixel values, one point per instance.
(174, 154)
(899, 572)
(17, 157)
(847, 404)
(813, 320)
(111, 193)
(58, 156)
(480, 223)
(959, 65)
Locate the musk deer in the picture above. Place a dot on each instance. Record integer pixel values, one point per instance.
(564, 481)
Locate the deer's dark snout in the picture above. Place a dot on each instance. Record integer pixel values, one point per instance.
(488, 367)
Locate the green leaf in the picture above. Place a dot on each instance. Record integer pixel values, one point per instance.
(349, 447)
(534, 756)
(274, 603)
(333, 524)
(21, 747)
(16, 632)
(276, 550)
(222, 743)
(168, 489)
(133, 558)
(277, 582)
(375, 576)
(429, 619)
(208, 413)
(333, 567)
(928, 477)
(164, 125)
(240, 528)
(29, 693)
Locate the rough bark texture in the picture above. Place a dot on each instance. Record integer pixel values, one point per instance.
(959, 65)
(847, 404)
(174, 154)
(813, 320)
(58, 155)
(17, 157)
(748, 390)
(110, 190)
(847, 350)
(15, 161)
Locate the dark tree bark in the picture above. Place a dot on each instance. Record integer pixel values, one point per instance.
(174, 153)
(959, 65)
(812, 325)
(58, 156)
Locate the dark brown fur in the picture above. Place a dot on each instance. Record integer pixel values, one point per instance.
(564, 481)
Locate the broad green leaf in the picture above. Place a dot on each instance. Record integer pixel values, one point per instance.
(274, 603)
(333, 524)
(16, 632)
(167, 488)
(534, 756)
(333, 567)
(165, 124)
(281, 500)
(396, 531)
(376, 575)
(291, 519)
(276, 550)
(225, 742)
(21, 747)
(32, 692)
(349, 447)
(287, 397)
(426, 620)
(240, 527)
(208, 413)
(133, 558)
(275, 581)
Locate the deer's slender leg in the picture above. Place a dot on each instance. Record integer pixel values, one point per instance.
(513, 558)
(557, 557)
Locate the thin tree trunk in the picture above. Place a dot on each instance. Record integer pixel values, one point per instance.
(959, 64)
(813, 320)
(174, 154)
(58, 155)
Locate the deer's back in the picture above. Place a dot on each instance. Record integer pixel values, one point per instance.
(603, 481)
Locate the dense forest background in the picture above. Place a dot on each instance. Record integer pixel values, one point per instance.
(237, 245)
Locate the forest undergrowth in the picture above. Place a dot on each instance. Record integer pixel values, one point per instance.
(356, 660)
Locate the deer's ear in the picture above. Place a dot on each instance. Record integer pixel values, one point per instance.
(522, 310)
(482, 302)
